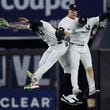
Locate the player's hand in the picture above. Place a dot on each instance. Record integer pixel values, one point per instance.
(3, 23)
(23, 20)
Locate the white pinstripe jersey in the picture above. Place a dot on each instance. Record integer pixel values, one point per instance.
(78, 35)
(47, 34)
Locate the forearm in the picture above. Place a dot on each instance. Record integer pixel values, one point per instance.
(18, 26)
(104, 16)
(33, 25)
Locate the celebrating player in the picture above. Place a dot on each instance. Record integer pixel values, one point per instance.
(54, 38)
(80, 29)
(65, 60)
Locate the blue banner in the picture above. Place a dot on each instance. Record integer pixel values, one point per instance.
(49, 10)
(13, 68)
(40, 99)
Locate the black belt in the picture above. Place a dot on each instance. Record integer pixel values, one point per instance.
(60, 42)
(66, 43)
(76, 44)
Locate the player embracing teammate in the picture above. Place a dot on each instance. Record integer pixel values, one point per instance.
(79, 30)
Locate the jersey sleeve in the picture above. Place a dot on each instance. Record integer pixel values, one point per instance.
(61, 24)
(48, 26)
(44, 23)
(28, 27)
(93, 21)
(65, 26)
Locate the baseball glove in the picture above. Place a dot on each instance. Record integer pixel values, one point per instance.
(60, 35)
(3, 23)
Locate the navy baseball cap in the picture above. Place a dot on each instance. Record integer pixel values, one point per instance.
(72, 7)
(82, 20)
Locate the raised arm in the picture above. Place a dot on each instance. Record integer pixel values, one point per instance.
(14, 25)
(18, 26)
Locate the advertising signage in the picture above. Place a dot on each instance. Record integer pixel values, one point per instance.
(13, 66)
(49, 10)
(15, 62)
(41, 99)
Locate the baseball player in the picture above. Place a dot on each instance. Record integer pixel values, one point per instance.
(65, 23)
(55, 40)
(57, 49)
(80, 30)
(79, 50)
